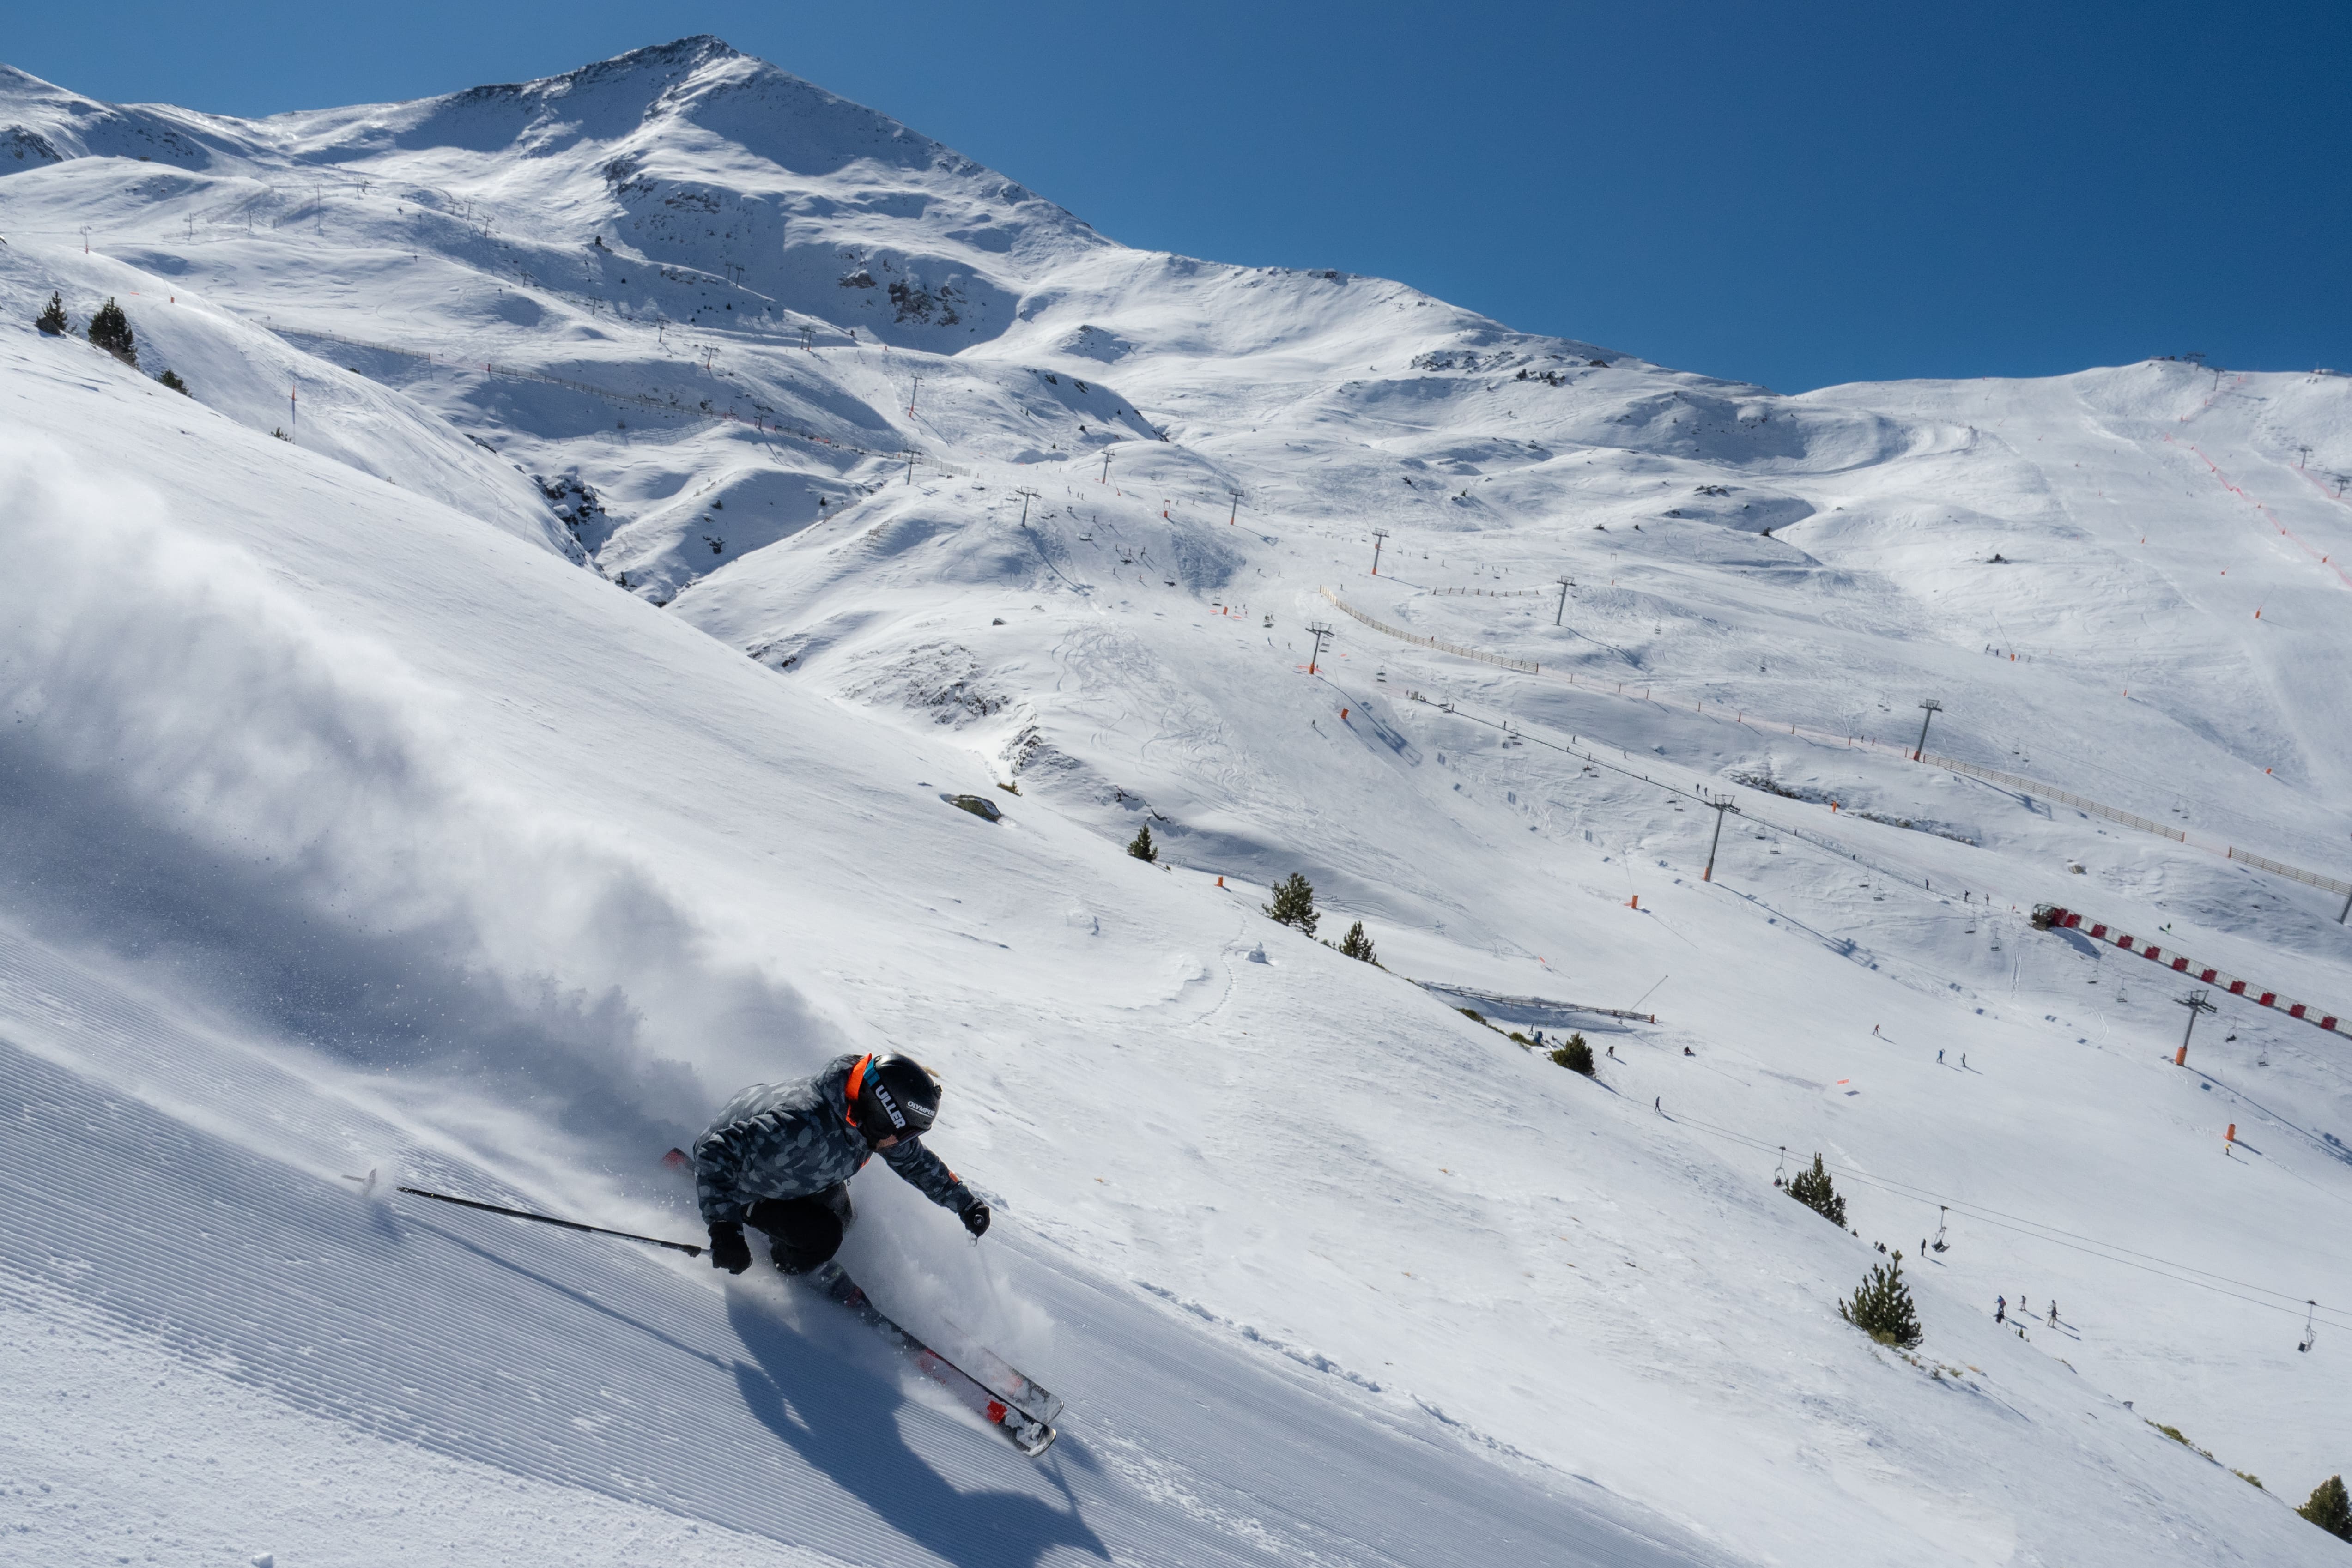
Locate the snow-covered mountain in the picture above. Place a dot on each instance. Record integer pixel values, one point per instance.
(695, 480)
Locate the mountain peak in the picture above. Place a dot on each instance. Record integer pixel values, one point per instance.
(664, 66)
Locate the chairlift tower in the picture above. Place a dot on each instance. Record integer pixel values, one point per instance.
(1719, 804)
(1379, 538)
(1027, 495)
(1931, 707)
(1322, 633)
(2196, 1003)
(1231, 516)
(1561, 613)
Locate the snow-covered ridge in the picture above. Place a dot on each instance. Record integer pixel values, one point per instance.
(696, 479)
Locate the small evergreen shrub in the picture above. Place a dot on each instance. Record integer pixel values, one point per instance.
(170, 379)
(110, 329)
(1814, 1190)
(53, 319)
(280, 432)
(1473, 1014)
(1140, 846)
(2329, 1508)
(1576, 1056)
(1294, 903)
(1881, 1308)
(1356, 944)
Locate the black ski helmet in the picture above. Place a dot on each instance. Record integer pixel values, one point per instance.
(893, 1096)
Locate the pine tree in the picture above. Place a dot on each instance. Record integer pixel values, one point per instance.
(1140, 846)
(1356, 944)
(1812, 1188)
(1881, 1308)
(110, 329)
(1576, 1056)
(2330, 1508)
(53, 319)
(1294, 903)
(170, 379)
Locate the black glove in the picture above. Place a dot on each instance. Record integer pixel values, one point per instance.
(729, 1251)
(975, 1219)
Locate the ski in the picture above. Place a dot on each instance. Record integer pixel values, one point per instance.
(1026, 1432)
(1006, 1381)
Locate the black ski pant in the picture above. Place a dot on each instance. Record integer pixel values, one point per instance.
(804, 1232)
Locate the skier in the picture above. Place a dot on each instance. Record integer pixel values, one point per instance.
(780, 1156)
(2000, 1309)
(1939, 1054)
(2054, 1314)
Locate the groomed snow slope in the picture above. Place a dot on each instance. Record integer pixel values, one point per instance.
(359, 827)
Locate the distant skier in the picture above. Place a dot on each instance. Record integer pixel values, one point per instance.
(780, 1156)
(2054, 1314)
(1939, 1054)
(2000, 1309)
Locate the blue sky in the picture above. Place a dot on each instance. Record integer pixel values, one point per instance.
(1793, 194)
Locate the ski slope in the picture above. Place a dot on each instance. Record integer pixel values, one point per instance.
(556, 735)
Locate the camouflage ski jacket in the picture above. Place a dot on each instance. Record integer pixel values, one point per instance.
(790, 1140)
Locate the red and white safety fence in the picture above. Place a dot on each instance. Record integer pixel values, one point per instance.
(2049, 916)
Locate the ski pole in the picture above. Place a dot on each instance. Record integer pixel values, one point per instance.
(689, 1248)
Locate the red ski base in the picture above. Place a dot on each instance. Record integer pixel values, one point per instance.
(1029, 1433)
